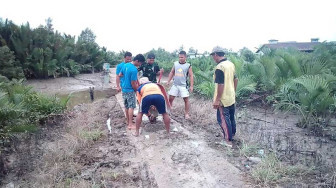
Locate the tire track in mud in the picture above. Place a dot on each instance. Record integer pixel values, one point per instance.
(182, 159)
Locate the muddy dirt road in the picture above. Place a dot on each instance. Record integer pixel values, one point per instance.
(77, 150)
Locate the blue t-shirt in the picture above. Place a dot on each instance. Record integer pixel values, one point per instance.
(119, 68)
(130, 73)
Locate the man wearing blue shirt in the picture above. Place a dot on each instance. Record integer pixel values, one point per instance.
(130, 85)
(120, 80)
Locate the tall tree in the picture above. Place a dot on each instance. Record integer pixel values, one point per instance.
(9, 67)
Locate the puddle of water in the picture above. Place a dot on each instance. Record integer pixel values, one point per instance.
(80, 97)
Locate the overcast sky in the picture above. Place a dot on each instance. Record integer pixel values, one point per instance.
(141, 25)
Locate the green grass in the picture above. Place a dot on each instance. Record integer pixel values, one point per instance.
(271, 171)
(91, 135)
(248, 150)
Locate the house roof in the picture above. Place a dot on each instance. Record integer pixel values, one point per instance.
(301, 46)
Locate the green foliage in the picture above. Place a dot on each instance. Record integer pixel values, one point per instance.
(246, 85)
(43, 53)
(247, 54)
(21, 109)
(309, 94)
(271, 170)
(8, 65)
(248, 150)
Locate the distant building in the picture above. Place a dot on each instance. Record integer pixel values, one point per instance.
(300, 46)
(192, 55)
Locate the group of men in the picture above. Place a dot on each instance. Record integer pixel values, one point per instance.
(151, 94)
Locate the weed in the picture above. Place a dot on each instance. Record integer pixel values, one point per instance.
(247, 149)
(91, 135)
(270, 170)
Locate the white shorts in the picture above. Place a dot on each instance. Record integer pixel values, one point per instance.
(179, 91)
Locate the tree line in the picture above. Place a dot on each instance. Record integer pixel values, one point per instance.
(41, 52)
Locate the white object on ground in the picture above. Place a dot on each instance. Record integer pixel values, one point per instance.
(108, 123)
(175, 129)
(147, 136)
(261, 152)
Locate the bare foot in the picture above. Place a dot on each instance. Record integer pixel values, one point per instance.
(136, 133)
(131, 127)
(186, 116)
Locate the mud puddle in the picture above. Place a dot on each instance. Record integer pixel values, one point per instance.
(86, 96)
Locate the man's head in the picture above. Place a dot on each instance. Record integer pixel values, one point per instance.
(217, 53)
(128, 57)
(182, 57)
(143, 80)
(150, 58)
(138, 60)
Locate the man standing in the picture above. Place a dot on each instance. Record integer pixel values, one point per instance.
(225, 94)
(130, 85)
(150, 94)
(150, 69)
(120, 80)
(181, 71)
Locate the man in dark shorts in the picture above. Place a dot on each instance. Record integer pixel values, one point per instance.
(149, 94)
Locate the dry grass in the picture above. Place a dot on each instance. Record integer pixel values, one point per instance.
(58, 167)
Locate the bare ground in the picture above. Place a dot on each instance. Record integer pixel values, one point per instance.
(76, 150)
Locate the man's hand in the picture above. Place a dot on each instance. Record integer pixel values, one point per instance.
(191, 89)
(118, 89)
(216, 104)
(162, 71)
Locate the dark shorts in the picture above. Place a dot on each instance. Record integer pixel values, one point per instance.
(129, 99)
(155, 100)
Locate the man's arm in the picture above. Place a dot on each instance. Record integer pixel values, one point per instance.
(171, 74)
(220, 91)
(134, 85)
(118, 78)
(235, 82)
(157, 70)
(191, 77)
(134, 80)
(219, 80)
(118, 83)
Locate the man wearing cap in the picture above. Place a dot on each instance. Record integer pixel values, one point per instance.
(149, 94)
(130, 85)
(150, 69)
(225, 94)
(181, 71)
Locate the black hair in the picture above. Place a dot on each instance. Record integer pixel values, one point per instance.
(220, 54)
(183, 53)
(128, 54)
(151, 55)
(139, 58)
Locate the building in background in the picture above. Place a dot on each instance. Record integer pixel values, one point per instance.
(300, 46)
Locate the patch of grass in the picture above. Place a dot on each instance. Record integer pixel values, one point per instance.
(229, 152)
(247, 149)
(91, 135)
(270, 171)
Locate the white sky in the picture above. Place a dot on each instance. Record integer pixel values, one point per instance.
(141, 25)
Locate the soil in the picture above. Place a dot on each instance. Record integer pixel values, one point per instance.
(76, 149)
